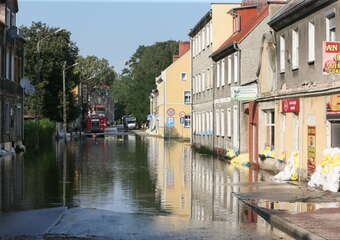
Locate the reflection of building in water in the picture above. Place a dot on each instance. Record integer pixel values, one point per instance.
(11, 182)
(173, 163)
(213, 185)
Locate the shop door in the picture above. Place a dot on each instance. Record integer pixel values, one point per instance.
(335, 134)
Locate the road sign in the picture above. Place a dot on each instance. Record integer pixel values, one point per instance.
(182, 120)
(181, 114)
(170, 121)
(171, 112)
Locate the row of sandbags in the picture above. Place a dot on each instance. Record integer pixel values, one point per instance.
(290, 171)
(327, 173)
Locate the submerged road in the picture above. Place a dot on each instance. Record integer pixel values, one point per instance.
(127, 187)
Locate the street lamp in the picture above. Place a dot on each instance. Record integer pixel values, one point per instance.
(64, 96)
(38, 72)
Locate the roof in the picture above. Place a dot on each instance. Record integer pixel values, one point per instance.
(296, 10)
(229, 45)
(201, 23)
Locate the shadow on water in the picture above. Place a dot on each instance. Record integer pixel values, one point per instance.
(131, 174)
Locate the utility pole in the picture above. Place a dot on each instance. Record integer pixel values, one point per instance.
(64, 101)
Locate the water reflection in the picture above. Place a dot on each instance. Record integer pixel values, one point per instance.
(130, 174)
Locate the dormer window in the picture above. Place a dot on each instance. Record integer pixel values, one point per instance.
(237, 23)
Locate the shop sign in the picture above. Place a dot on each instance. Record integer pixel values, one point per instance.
(170, 121)
(331, 58)
(333, 107)
(244, 93)
(290, 105)
(311, 148)
(170, 112)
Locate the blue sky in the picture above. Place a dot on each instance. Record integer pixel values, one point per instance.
(113, 30)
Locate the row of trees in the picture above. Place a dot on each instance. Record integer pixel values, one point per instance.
(46, 51)
(131, 91)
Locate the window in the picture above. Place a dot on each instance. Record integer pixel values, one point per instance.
(330, 27)
(207, 122)
(218, 122)
(13, 19)
(218, 76)
(187, 97)
(187, 121)
(237, 23)
(8, 63)
(199, 43)
(183, 76)
(203, 38)
(8, 17)
(222, 123)
(203, 82)
(199, 82)
(295, 49)
(229, 122)
(211, 121)
(311, 42)
(235, 127)
(208, 34)
(229, 69)
(282, 54)
(211, 76)
(208, 79)
(223, 73)
(236, 67)
(270, 127)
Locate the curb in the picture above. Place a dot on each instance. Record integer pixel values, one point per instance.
(282, 223)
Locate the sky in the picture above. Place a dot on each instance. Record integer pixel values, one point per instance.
(112, 29)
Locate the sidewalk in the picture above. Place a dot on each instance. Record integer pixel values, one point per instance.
(300, 212)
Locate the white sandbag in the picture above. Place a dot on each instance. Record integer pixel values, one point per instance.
(332, 180)
(317, 179)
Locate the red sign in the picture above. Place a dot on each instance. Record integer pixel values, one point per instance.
(171, 112)
(291, 105)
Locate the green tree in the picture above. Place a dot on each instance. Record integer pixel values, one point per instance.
(136, 81)
(44, 68)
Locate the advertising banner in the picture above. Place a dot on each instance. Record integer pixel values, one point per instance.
(311, 146)
(331, 58)
(244, 93)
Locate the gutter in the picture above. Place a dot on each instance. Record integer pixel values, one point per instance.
(225, 51)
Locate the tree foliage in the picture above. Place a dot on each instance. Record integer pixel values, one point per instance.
(136, 81)
(44, 68)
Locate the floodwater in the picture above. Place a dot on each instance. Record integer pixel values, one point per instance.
(145, 176)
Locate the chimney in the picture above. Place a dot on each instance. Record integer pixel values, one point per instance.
(183, 47)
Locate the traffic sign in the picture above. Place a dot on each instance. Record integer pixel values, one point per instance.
(171, 112)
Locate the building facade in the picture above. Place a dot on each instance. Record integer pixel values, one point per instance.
(235, 85)
(11, 72)
(302, 113)
(170, 102)
(206, 36)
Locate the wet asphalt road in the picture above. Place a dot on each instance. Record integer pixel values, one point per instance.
(126, 188)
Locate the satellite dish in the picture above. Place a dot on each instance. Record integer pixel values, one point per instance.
(25, 83)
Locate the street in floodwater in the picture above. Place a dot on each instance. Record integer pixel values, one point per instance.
(146, 182)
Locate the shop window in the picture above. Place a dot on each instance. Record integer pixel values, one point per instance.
(270, 127)
(335, 134)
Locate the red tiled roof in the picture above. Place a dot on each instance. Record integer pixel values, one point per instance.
(237, 37)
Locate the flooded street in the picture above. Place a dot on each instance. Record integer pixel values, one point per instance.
(144, 181)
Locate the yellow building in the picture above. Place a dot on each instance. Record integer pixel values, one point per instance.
(170, 102)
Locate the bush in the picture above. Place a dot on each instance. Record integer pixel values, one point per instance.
(42, 129)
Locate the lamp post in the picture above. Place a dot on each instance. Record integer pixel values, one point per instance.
(38, 72)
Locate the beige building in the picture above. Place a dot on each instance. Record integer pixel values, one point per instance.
(206, 36)
(299, 101)
(170, 102)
